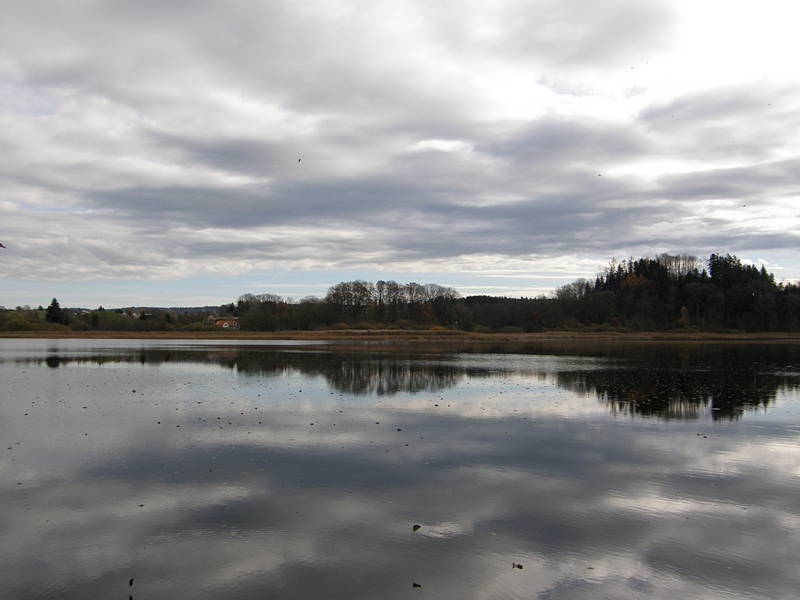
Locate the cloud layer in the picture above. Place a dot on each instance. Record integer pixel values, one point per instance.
(163, 140)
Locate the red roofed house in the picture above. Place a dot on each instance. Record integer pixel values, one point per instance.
(227, 322)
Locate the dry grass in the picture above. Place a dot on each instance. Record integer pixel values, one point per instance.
(412, 336)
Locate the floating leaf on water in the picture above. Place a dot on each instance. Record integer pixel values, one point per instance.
(415, 584)
(415, 528)
(130, 583)
(516, 565)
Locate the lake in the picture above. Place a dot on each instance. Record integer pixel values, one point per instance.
(298, 470)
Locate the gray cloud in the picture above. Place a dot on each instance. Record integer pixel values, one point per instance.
(425, 134)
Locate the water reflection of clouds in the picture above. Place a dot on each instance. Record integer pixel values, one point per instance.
(542, 514)
(285, 511)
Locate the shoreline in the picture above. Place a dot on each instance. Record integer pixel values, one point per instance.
(413, 336)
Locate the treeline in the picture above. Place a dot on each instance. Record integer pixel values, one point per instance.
(355, 304)
(667, 292)
(663, 293)
(56, 319)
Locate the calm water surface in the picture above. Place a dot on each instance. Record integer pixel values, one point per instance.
(213, 470)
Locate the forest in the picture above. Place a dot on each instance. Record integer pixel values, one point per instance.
(662, 293)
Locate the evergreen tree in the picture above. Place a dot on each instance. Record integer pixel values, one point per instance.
(54, 314)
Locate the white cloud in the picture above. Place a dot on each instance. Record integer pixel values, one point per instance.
(429, 137)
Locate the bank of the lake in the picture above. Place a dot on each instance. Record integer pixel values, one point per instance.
(392, 335)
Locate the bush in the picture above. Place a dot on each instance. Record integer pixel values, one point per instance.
(17, 324)
(340, 327)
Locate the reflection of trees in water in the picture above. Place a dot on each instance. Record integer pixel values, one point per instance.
(351, 372)
(669, 380)
(668, 394)
(143, 357)
(677, 382)
(356, 373)
(389, 376)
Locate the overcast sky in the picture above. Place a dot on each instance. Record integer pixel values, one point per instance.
(186, 152)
